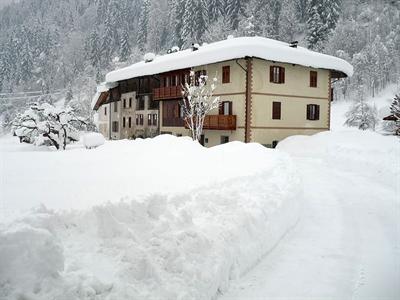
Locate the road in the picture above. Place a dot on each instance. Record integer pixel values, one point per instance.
(345, 246)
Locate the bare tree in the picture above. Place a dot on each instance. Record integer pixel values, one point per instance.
(198, 101)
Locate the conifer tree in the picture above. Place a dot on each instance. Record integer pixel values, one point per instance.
(143, 25)
(125, 49)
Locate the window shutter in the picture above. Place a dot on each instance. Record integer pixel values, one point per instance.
(230, 108)
(271, 74)
(308, 112)
(316, 112)
(221, 108)
(276, 110)
(282, 75)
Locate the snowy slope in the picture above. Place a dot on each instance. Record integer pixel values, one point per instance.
(181, 220)
(346, 244)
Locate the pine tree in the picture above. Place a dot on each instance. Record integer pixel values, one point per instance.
(143, 25)
(362, 115)
(234, 9)
(178, 11)
(287, 21)
(322, 18)
(215, 10)
(125, 49)
(194, 21)
(93, 49)
(107, 47)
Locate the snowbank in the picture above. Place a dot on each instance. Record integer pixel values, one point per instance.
(222, 212)
(93, 140)
(368, 152)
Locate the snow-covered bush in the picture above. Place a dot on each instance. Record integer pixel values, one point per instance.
(197, 102)
(93, 140)
(362, 115)
(44, 124)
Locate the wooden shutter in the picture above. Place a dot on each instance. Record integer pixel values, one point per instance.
(308, 111)
(276, 110)
(313, 78)
(281, 75)
(316, 112)
(230, 108)
(221, 108)
(226, 74)
(271, 74)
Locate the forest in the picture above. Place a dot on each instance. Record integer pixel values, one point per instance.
(51, 49)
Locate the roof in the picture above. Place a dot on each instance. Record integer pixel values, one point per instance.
(233, 48)
(102, 94)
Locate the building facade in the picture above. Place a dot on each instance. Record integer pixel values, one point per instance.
(262, 100)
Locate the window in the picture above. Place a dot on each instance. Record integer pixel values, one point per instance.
(115, 106)
(155, 119)
(312, 112)
(130, 122)
(137, 119)
(123, 122)
(199, 75)
(225, 108)
(181, 111)
(276, 110)
(124, 103)
(313, 78)
(115, 126)
(141, 119)
(105, 111)
(226, 74)
(140, 103)
(149, 119)
(277, 74)
(224, 139)
(130, 102)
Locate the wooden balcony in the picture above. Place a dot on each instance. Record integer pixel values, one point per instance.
(169, 92)
(219, 122)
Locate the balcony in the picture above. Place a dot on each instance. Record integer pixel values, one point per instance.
(219, 122)
(169, 92)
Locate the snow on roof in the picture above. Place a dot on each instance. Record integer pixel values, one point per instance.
(229, 49)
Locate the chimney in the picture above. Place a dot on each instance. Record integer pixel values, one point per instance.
(293, 44)
(195, 46)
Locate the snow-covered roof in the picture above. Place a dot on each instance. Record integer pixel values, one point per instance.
(101, 88)
(233, 48)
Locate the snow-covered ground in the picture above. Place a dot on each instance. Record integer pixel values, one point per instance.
(346, 244)
(160, 218)
(165, 218)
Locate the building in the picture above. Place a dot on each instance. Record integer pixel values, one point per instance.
(269, 89)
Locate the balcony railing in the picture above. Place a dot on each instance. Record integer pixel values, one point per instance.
(169, 92)
(219, 122)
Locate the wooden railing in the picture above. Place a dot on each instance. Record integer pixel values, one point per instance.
(169, 92)
(219, 122)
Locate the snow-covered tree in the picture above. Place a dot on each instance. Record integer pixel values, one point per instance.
(395, 111)
(194, 21)
(198, 101)
(362, 115)
(44, 124)
(143, 25)
(125, 48)
(288, 23)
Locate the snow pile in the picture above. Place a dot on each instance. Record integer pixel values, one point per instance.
(93, 140)
(231, 205)
(365, 151)
(233, 48)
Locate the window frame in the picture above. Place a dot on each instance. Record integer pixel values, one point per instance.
(313, 112)
(226, 74)
(313, 79)
(276, 110)
(277, 74)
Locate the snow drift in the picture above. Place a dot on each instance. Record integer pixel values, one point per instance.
(238, 200)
